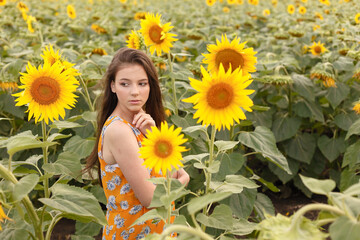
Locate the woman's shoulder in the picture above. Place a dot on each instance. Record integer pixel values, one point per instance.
(119, 128)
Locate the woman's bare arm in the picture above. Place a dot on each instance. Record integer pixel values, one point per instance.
(125, 150)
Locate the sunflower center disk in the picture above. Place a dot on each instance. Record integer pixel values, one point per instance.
(227, 57)
(155, 34)
(45, 90)
(317, 49)
(220, 96)
(163, 149)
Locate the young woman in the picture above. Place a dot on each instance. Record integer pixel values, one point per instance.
(131, 104)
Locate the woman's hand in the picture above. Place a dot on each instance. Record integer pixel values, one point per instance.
(182, 176)
(143, 121)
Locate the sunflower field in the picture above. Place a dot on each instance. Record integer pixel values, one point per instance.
(261, 96)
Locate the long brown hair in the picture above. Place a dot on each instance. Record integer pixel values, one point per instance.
(153, 106)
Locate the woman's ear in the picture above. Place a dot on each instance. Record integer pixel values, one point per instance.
(112, 85)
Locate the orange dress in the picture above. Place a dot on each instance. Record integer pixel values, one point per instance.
(123, 208)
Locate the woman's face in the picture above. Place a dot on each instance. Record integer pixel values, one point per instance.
(132, 88)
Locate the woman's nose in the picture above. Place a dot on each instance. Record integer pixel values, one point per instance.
(134, 90)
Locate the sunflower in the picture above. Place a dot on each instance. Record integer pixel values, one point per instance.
(326, 2)
(266, 12)
(8, 86)
(123, 1)
(98, 29)
(319, 16)
(241, 2)
(302, 10)
(231, 2)
(139, 15)
(226, 9)
(326, 78)
(156, 35)
(52, 57)
(161, 149)
(48, 90)
(221, 97)
(356, 107)
(291, 9)
(304, 1)
(357, 18)
(29, 21)
(210, 2)
(71, 11)
(253, 2)
(316, 27)
(2, 2)
(99, 51)
(133, 40)
(274, 2)
(230, 54)
(317, 48)
(22, 7)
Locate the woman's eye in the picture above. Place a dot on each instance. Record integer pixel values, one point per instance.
(143, 84)
(124, 84)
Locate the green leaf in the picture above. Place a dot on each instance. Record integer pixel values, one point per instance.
(89, 116)
(57, 136)
(302, 147)
(285, 127)
(344, 121)
(262, 140)
(221, 218)
(331, 148)
(242, 227)
(174, 195)
(263, 205)
(197, 157)
(353, 190)
(25, 186)
(344, 64)
(323, 187)
(234, 184)
(242, 204)
(336, 95)
(62, 125)
(225, 145)
(304, 86)
(354, 129)
(152, 214)
(23, 141)
(229, 164)
(67, 163)
(344, 229)
(82, 147)
(76, 203)
(316, 110)
(196, 204)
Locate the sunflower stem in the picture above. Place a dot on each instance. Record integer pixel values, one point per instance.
(315, 206)
(290, 100)
(54, 221)
(10, 160)
(46, 179)
(173, 84)
(168, 189)
(87, 98)
(208, 174)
